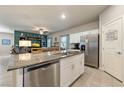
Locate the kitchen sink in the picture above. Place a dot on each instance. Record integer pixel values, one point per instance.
(66, 53)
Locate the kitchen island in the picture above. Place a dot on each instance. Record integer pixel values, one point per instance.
(70, 63)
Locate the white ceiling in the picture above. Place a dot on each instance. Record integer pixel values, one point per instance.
(24, 17)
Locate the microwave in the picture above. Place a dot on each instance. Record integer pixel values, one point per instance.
(75, 45)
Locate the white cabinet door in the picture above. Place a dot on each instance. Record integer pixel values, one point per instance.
(81, 63)
(78, 66)
(70, 69)
(65, 71)
(65, 76)
(72, 38)
(75, 67)
(78, 37)
(75, 38)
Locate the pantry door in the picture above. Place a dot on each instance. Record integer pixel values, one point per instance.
(112, 48)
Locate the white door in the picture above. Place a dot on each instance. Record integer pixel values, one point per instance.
(112, 48)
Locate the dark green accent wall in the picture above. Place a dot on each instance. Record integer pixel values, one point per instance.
(18, 34)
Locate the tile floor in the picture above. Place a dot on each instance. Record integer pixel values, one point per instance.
(91, 78)
(96, 78)
(6, 78)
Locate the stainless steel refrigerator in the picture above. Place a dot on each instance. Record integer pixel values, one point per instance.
(90, 43)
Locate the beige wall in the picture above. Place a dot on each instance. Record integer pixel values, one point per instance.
(4, 49)
(107, 15)
(111, 12)
(6, 33)
(81, 28)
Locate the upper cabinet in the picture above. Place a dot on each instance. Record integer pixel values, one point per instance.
(75, 38)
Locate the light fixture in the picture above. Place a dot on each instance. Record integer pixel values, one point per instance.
(63, 16)
(41, 32)
(46, 32)
(35, 28)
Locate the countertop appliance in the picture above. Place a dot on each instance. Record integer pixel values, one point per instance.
(43, 75)
(74, 45)
(89, 42)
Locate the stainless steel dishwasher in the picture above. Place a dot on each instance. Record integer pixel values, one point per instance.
(43, 75)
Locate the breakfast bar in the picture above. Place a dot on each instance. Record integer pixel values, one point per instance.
(50, 62)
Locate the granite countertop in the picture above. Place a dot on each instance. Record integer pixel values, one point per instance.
(29, 59)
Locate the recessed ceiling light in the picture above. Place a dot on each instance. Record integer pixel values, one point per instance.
(63, 16)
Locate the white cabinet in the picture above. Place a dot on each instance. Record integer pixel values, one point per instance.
(65, 76)
(75, 38)
(70, 69)
(82, 64)
(72, 38)
(65, 72)
(78, 37)
(78, 63)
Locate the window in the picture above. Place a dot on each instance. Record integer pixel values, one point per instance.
(64, 42)
(49, 42)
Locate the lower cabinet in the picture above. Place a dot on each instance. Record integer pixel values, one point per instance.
(65, 76)
(70, 69)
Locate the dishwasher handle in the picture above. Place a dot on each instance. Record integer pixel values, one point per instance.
(43, 67)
